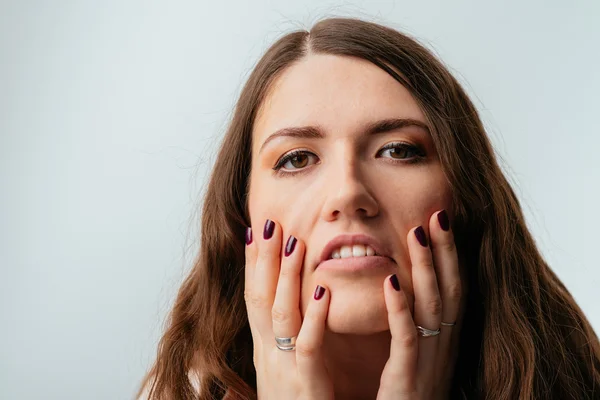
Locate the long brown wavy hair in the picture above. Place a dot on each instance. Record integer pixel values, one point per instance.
(523, 335)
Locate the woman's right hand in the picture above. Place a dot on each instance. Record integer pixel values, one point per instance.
(272, 295)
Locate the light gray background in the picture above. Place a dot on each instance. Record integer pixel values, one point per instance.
(110, 115)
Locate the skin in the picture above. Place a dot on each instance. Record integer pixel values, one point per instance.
(345, 184)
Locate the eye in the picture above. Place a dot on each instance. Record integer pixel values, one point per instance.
(399, 150)
(297, 158)
(295, 162)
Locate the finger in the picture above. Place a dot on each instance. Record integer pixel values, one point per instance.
(263, 283)
(286, 307)
(445, 261)
(399, 372)
(309, 356)
(251, 252)
(250, 258)
(428, 303)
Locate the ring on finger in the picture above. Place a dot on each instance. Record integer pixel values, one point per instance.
(427, 332)
(286, 343)
(448, 324)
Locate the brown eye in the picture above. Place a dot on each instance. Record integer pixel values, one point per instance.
(402, 151)
(297, 159)
(397, 152)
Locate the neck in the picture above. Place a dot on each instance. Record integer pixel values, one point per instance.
(355, 363)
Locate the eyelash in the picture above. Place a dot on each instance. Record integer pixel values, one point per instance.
(420, 156)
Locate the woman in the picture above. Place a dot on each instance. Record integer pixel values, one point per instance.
(386, 257)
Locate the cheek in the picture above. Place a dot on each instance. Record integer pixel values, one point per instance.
(414, 200)
(264, 201)
(287, 204)
(415, 203)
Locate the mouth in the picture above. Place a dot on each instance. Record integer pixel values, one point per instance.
(372, 263)
(357, 250)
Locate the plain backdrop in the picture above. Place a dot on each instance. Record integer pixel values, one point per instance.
(110, 116)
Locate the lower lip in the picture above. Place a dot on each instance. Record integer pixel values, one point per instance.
(353, 264)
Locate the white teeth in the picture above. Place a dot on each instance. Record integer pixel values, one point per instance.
(346, 251)
(357, 250)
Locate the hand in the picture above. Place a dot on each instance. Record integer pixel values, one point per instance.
(421, 367)
(272, 294)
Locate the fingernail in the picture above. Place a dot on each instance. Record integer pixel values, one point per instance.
(319, 292)
(443, 220)
(290, 245)
(421, 237)
(395, 283)
(269, 228)
(248, 235)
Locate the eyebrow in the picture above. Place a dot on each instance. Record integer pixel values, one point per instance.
(373, 128)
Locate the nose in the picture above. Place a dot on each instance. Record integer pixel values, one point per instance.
(347, 193)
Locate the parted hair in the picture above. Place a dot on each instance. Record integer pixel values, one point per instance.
(523, 335)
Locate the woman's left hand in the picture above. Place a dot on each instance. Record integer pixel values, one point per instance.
(420, 367)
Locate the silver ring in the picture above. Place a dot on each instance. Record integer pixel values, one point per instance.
(286, 343)
(445, 324)
(427, 332)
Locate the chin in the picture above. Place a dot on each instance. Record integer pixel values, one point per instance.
(359, 313)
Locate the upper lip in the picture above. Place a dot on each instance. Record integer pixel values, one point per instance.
(349, 240)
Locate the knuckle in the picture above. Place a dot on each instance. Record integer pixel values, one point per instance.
(400, 309)
(268, 252)
(305, 350)
(448, 246)
(256, 301)
(454, 291)
(407, 341)
(267, 255)
(263, 258)
(287, 270)
(279, 315)
(427, 263)
(311, 318)
(434, 306)
(403, 307)
(267, 264)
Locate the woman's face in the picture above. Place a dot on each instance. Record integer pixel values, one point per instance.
(347, 181)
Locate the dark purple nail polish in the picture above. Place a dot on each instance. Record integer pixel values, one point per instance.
(443, 220)
(248, 235)
(269, 228)
(290, 245)
(421, 237)
(395, 283)
(319, 292)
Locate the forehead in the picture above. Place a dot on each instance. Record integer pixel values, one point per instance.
(337, 93)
